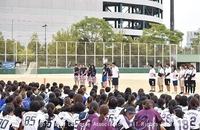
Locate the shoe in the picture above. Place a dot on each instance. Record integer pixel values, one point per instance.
(181, 93)
(159, 91)
(150, 90)
(153, 91)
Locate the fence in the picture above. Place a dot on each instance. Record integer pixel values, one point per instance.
(65, 54)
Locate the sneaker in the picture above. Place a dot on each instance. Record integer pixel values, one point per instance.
(159, 91)
(153, 91)
(181, 93)
(150, 90)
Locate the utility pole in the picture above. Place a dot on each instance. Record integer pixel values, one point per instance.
(45, 41)
(172, 15)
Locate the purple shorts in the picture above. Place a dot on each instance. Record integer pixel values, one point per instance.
(93, 79)
(109, 78)
(76, 77)
(82, 78)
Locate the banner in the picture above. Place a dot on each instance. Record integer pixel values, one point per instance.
(8, 65)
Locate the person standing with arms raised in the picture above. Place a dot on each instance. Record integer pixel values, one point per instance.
(167, 77)
(115, 76)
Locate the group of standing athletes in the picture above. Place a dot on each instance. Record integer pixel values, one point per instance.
(186, 78)
(110, 74)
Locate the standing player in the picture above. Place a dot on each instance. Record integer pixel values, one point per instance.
(83, 74)
(89, 75)
(192, 82)
(194, 114)
(175, 79)
(186, 76)
(181, 78)
(104, 76)
(160, 77)
(109, 71)
(76, 74)
(33, 119)
(167, 77)
(93, 75)
(152, 78)
(7, 119)
(179, 120)
(115, 75)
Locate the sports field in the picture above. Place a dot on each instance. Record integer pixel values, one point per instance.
(134, 81)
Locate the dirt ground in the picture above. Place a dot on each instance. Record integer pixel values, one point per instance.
(134, 81)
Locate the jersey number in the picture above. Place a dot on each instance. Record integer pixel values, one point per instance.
(111, 118)
(3, 123)
(30, 120)
(166, 117)
(183, 125)
(192, 121)
(49, 125)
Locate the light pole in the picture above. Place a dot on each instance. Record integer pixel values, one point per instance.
(45, 41)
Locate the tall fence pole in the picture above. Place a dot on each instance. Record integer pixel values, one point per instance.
(138, 55)
(76, 52)
(95, 53)
(147, 54)
(113, 46)
(56, 54)
(36, 53)
(85, 54)
(5, 55)
(130, 64)
(122, 60)
(66, 55)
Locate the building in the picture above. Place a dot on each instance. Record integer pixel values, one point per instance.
(20, 18)
(191, 36)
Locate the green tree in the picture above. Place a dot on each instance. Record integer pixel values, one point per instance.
(197, 40)
(32, 44)
(92, 30)
(159, 34)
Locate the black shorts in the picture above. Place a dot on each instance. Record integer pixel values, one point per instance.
(152, 82)
(186, 83)
(167, 81)
(175, 83)
(168, 128)
(193, 83)
(115, 81)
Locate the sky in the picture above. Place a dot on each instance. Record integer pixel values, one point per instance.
(187, 15)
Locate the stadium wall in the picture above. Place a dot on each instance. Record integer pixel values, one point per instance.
(70, 70)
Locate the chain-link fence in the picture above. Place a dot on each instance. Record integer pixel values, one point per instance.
(66, 54)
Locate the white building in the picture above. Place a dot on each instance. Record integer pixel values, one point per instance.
(191, 36)
(20, 18)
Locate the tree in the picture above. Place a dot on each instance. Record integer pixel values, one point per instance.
(92, 30)
(32, 44)
(159, 34)
(197, 40)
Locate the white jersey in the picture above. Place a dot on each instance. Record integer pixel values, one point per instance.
(175, 76)
(181, 123)
(121, 122)
(194, 116)
(181, 75)
(118, 110)
(9, 121)
(76, 120)
(166, 116)
(53, 122)
(32, 120)
(66, 117)
(168, 71)
(184, 108)
(159, 110)
(152, 73)
(111, 115)
(193, 72)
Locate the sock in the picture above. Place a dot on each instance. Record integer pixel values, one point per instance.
(193, 90)
(186, 89)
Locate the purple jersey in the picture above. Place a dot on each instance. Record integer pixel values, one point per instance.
(86, 124)
(147, 119)
(104, 125)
